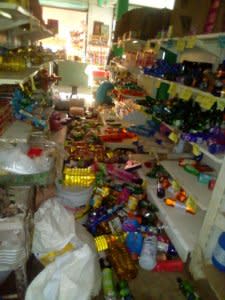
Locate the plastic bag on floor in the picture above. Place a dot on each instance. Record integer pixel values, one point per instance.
(54, 231)
(15, 160)
(74, 276)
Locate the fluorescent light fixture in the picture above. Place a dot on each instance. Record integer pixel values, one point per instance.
(5, 14)
(154, 3)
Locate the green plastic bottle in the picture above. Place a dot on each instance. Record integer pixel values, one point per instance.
(107, 281)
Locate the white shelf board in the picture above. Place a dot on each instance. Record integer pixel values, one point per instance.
(20, 16)
(218, 158)
(34, 34)
(195, 92)
(17, 132)
(17, 77)
(21, 76)
(182, 228)
(220, 221)
(209, 36)
(189, 182)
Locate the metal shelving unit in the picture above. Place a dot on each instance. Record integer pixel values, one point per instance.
(21, 76)
(13, 20)
(13, 16)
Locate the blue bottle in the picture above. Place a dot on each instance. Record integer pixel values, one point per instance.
(218, 257)
(134, 243)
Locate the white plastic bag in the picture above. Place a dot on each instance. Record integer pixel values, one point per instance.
(15, 160)
(74, 276)
(54, 228)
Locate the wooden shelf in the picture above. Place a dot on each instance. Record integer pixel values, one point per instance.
(189, 182)
(216, 280)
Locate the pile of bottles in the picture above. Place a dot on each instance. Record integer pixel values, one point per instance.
(127, 231)
(17, 60)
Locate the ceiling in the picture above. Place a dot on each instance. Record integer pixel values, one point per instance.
(76, 4)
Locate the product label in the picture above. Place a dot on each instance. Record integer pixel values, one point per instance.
(174, 137)
(195, 150)
(180, 45)
(221, 104)
(172, 89)
(186, 94)
(207, 102)
(191, 41)
(219, 254)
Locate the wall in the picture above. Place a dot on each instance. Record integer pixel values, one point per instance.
(191, 16)
(69, 20)
(100, 14)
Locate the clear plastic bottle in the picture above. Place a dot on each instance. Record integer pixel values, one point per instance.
(147, 259)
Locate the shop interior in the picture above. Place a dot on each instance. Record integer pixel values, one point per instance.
(112, 149)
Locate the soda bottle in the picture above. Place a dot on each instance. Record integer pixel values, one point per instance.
(187, 289)
(160, 190)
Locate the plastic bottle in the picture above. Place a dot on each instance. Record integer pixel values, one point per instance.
(160, 190)
(187, 289)
(107, 281)
(134, 242)
(147, 259)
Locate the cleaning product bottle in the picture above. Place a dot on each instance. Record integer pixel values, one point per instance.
(147, 259)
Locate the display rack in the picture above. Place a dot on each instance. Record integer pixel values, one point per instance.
(16, 16)
(17, 132)
(182, 228)
(17, 77)
(189, 182)
(204, 42)
(20, 25)
(20, 77)
(193, 235)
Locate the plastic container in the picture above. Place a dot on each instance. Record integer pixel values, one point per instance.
(108, 286)
(147, 259)
(218, 257)
(173, 265)
(75, 196)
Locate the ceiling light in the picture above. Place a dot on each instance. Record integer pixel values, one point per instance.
(5, 14)
(154, 3)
